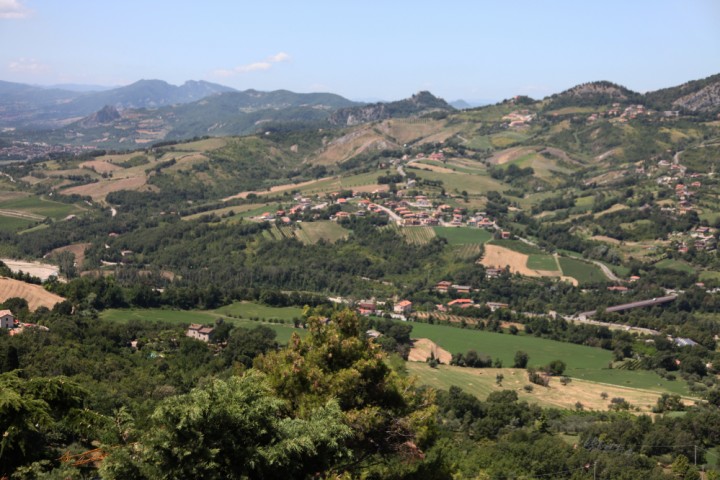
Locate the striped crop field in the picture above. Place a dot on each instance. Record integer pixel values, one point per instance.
(417, 235)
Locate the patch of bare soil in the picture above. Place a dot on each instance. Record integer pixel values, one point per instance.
(423, 348)
(41, 270)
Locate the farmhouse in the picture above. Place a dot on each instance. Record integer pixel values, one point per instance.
(403, 307)
(199, 332)
(461, 303)
(496, 305)
(6, 319)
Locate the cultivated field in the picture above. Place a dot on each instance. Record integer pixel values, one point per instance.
(99, 190)
(582, 271)
(417, 235)
(424, 349)
(585, 363)
(463, 235)
(35, 295)
(481, 382)
(313, 232)
(473, 184)
(499, 257)
(36, 208)
(542, 262)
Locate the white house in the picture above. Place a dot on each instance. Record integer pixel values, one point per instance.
(6, 319)
(199, 332)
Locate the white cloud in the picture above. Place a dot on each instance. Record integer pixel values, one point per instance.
(27, 65)
(253, 67)
(11, 9)
(279, 57)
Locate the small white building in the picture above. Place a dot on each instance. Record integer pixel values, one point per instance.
(7, 320)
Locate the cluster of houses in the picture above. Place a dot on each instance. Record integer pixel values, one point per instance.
(631, 112)
(400, 309)
(420, 212)
(701, 238)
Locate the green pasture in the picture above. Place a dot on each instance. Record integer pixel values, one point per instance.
(678, 265)
(473, 184)
(582, 271)
(238, 314)
(583, 362)
(417, 235)
(13, 224)
(542, 262)
(313, 232)
(504, 346)
(463, 235)
(40, 206)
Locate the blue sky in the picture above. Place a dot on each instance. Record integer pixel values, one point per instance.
(363, 49)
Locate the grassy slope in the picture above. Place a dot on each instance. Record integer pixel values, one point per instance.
(584, 272)
(245, 309)
(582, 362)
(481, 382)
(463, 236)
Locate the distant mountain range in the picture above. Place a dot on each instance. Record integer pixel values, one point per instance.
(27, 106)
(149, 111)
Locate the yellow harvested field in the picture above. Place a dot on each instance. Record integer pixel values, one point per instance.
(277, 188)
(507, 156)
(99, 190)
(497, 256)
(603, 238)
(405, 130)
(482, 381)
(433, 168)
(35, 295)
(100, 166)
(423, 348)
(371, 188)
(347, 146)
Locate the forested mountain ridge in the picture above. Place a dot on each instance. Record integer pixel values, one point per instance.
(25, 106)
(418, 104)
